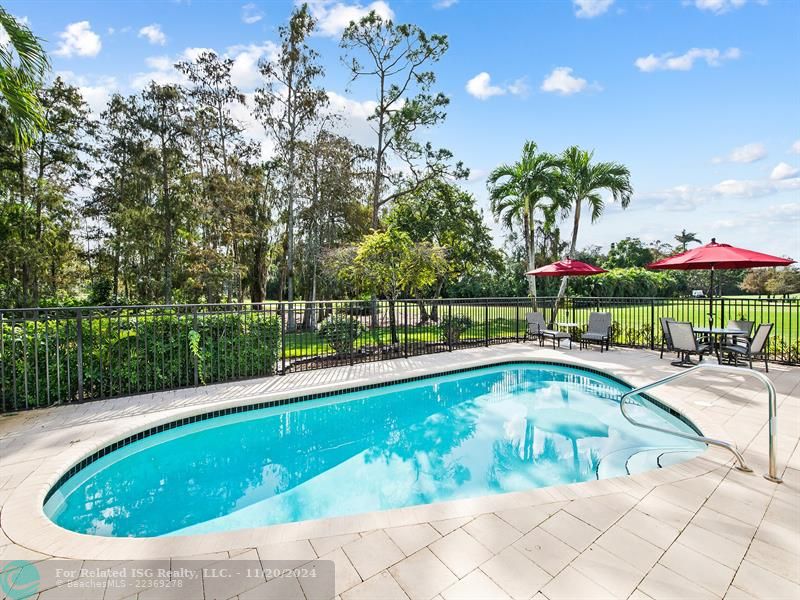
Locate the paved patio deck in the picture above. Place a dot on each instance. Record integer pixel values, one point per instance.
(698, 529)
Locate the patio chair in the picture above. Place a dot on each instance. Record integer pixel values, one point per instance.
(746, 326)
(685, 343)
(666, 338)
(598, 330)
(535, 326)
(755, 347)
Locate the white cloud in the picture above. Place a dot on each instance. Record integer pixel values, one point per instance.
(795, 149)
(153, 34)
(688, 198)
(783, 171)
(588, 9)
(743, 154)
(481, 87)
(685, 62)
(354, 117)
(561, 81)
(251, 14)
(332, 17)
(741, 188)
(244, 72)
(717, 6)
(442, 4)
(78, 39)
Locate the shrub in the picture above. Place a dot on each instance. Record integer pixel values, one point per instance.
(132, 352)
(453, 327)
(341, 332)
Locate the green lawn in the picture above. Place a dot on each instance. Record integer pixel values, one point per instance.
(632, 323)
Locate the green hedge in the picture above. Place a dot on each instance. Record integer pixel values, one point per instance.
(124, 354)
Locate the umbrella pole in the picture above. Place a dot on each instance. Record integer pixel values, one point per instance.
(711, 301)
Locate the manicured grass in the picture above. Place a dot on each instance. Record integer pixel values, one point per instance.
(636, 322)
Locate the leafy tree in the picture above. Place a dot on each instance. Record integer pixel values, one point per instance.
(628, 252)
(287, 105)
(686, 237)
(218, 153)
(395, 57)
(163, 117)
(443, 215)
(23, 66)
(332, 180)
(517, 190)
(120, 196)
(37, 189)
(389, 263)
(755, 282)
(582, 182)
(784, 282)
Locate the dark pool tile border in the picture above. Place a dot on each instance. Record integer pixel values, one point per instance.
(135, 437)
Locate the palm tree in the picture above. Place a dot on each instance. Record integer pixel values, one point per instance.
(516, 190)
(685, 237)
(23, 65)
(581, 182)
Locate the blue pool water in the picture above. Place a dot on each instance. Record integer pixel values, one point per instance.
(492, 430)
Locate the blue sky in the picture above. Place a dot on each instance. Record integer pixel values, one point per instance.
(700, 98)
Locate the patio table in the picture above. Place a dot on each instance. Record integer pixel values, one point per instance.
(715, 335)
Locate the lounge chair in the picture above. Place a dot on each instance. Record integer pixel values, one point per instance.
(666, 338)
(537, 328)
(755, 347)
(599, 330)
(685, 343)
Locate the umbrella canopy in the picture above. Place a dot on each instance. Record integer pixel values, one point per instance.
(719, 256)
(566, 267)
(714, 256)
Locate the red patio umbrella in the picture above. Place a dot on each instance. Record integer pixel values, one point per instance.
(715, 256)
(566, 267)
(563, 268)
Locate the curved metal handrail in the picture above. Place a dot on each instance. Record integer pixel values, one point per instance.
(772, 475)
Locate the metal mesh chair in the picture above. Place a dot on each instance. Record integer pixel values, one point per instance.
(685, 343)
(536, 326)
(598, 331)
(746, 326)
(666, 338)
(755, 347)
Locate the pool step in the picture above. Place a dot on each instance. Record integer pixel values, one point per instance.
(630, 461)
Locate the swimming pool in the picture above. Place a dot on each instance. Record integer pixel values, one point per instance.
(497, 429)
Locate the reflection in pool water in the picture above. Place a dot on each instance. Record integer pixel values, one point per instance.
(498, 429)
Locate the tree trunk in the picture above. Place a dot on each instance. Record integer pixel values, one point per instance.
(393, 324)
(573, 244)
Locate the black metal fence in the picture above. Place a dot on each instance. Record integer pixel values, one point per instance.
(62, 355)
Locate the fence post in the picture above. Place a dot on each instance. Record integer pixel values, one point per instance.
(79, 352)
(405, 328)
(283, 337)
(652, 323)
(486, 322)
(449, 328)
(516, 323)
(351, 340)
(194, 355)
(722, 312)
